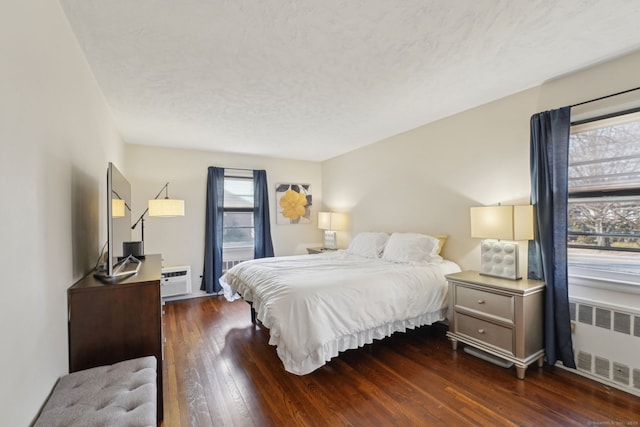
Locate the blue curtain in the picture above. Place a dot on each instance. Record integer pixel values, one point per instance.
(213, 231)
(263, 246)
(548, 252)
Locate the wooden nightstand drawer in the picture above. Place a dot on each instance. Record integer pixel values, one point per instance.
(480, 301)
(489, 333)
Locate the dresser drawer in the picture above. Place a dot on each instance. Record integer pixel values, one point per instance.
(497, 305)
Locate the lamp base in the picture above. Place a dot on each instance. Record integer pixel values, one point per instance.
(330, 239)
(500, 259)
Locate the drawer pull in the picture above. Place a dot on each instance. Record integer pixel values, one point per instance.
(481, 331)
(480, 301)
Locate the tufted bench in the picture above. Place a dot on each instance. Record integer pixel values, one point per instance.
(122, 394)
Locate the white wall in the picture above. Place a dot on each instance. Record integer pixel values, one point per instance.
(56, 137)
(426, 179)
(181, 240)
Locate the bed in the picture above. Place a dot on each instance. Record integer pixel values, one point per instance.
(316, 306)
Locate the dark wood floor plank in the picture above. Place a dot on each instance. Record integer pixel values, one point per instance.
(293, 393)
(400, 389)
(221, 371)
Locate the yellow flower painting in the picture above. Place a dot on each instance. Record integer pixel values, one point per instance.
(294, 203)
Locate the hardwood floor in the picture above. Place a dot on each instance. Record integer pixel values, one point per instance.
(219, 370)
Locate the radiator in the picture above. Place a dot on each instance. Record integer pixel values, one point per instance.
(226, 265)
(175, 281)
(606, 343)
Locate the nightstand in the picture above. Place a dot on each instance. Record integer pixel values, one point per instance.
(501, 317)
(319, 250)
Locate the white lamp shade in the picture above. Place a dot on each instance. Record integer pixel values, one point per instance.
(324, 220)
(117, 208)
(502, 222)
(166, 207)
(523, 222)
(332, 221)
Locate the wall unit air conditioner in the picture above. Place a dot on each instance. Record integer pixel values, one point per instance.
(175, 281)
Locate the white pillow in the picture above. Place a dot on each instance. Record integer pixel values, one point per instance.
(368, 244)
(411, 247)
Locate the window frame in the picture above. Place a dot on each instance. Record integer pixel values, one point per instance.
(593, 277)
(237, 174)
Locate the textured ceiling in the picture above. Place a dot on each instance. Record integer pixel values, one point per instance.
(312, 79)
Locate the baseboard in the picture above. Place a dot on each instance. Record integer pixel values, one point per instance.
(194, 294)
(604, 382)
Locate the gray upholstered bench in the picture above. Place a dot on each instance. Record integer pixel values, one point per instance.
(122, 394)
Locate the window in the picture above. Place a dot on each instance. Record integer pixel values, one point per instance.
(604, 198)
(238, 228)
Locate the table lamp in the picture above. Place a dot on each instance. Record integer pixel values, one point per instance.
(501, 226)
(331, 222)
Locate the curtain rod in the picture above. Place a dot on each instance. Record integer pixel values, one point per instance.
(604, 97)
(239, 169)
(240, 173)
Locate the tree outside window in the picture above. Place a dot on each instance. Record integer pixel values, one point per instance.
(604, 195)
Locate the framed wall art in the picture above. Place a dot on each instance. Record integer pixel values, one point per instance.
(293, 203)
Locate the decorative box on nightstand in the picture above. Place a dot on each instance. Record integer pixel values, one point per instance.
(501, 317)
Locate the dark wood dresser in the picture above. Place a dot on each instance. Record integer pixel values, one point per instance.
(112, 322)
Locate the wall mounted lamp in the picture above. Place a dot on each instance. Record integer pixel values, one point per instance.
(165, 208)
(117, 208)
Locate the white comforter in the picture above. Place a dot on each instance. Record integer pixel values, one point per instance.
(318, 305)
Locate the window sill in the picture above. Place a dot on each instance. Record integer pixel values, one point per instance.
(247, 246)
(611, 282)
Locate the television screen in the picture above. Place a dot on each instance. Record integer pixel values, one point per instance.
(118, 215)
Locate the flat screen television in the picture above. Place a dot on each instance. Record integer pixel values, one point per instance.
(118, 216)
